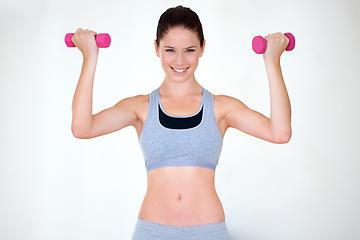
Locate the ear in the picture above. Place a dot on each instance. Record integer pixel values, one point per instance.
(156, 49)
(203, 48)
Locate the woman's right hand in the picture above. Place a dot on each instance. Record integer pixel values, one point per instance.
(85, 41)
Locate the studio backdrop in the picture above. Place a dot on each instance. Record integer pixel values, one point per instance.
(54, 186)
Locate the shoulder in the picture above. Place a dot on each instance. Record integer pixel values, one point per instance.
(223, 98)
(138, 105)
(226, 102)
(135, 105)
(227, 108)
(134, 101)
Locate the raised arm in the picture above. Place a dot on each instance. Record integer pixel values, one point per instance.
(235, 114)
(280, 119)
(84, 123)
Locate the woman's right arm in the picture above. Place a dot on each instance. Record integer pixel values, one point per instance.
(84, 123)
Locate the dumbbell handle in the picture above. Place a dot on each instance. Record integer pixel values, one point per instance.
(103, 40)
(259, 43)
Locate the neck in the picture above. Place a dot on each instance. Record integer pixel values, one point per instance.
(180, 88)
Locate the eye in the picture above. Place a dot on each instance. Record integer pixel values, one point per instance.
(169, 50)
(190, 50)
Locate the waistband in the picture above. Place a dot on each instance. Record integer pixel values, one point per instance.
(181, 230)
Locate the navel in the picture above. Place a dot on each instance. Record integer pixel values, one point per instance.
(179, 197)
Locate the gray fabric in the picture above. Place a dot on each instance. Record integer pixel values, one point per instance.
(145, 230)
(198, 146)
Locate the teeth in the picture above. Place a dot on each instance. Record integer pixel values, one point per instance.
(179, 70)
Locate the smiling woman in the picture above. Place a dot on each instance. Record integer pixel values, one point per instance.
(181, 126)
(179, 51)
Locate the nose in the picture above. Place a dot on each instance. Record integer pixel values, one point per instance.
(180, 59)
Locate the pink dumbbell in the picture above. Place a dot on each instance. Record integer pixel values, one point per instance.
(103, 40)
(259, 43)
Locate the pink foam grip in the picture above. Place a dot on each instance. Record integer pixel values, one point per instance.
(259, 43)
(103, 40)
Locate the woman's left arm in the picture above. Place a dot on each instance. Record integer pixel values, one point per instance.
(277, 128)
(280, 119)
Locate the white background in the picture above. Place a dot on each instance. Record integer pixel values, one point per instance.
(53, 186)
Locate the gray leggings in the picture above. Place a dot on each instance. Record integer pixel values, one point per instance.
(145, 230)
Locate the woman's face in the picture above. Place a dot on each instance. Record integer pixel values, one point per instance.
(179, 51)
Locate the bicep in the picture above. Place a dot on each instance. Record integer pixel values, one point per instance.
(121, 115)
(249, 121)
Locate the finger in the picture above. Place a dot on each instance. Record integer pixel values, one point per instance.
(78, 30)
(90, 31)
(270, 36)
(282, 35)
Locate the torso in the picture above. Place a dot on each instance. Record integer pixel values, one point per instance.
(180, 195)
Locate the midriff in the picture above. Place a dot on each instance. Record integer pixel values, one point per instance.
(181, 196)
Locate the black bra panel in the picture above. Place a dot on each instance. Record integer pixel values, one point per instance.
(180, 122)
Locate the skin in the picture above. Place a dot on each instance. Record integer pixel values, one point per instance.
(189, 196)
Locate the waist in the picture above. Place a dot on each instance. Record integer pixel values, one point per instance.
(181, 196)
(181, 162)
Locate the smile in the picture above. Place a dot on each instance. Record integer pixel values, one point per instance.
(179, 70)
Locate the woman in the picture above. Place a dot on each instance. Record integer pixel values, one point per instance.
(181, 127)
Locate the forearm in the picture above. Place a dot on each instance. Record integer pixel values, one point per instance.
(83, 97)
(280, 119)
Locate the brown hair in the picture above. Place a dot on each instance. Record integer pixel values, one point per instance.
(179, 17)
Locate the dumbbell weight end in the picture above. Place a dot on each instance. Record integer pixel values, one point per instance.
(68, 41)
(291, 44)
(259, 44)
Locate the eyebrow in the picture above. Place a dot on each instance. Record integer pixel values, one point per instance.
(185, 48)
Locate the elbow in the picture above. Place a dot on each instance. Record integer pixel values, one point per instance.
(81, 128)
(79, 133)
(283, 137)
(283, 140)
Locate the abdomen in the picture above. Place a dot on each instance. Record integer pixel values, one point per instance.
(181, 196)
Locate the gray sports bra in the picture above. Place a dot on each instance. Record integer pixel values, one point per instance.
(193, 140)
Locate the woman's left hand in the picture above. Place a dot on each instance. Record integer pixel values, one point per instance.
(276, 44)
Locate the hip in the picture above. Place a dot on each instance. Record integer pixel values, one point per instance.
(145, 230)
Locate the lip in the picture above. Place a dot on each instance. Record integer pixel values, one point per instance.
(176, 72)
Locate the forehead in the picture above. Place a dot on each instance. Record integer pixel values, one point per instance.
(180, 37)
